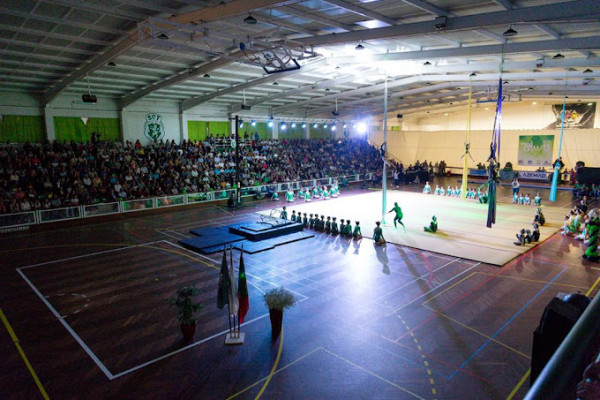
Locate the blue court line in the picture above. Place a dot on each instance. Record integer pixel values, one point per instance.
(508, 322)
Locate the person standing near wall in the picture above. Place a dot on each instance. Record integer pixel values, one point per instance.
(515, 186)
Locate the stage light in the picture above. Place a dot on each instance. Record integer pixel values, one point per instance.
(361, 128)
(293, 124)
(315, 125)
(253, 123)
(304, 124)
(333, 128)
(325, 126)
(345, 126)
(283, 126)
(270, 124)
(241, 124)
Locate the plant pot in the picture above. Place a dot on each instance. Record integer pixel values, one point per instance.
(276, 317)
(188, 331)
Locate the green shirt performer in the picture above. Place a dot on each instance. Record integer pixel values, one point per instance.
(398, 216)
(378, 234)
(433, 225)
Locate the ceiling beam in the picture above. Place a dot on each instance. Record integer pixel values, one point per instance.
(428, 7)
(312, 17)
(362, 11)
(221, 10)
(584, 10)
(187, 104)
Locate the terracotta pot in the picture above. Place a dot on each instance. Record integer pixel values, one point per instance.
(188, 331)
(276, 321)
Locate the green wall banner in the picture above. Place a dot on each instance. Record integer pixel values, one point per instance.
(536, 150)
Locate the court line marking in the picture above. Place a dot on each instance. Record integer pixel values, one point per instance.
(509, 321)
(15, 340)
(430, 291)
(526, 375)
(88, 254)
(274, 368)
(532, 280)
(448, 288)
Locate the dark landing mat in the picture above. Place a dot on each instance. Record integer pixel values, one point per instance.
(210, 231)
(203, 243)
(255, 247)
(252, 232)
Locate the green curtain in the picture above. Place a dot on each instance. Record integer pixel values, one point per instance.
(218, 127)
(320, 132)
(22, 128)
(264, 132)
(291, 133)
(73, 128)
(197, 130)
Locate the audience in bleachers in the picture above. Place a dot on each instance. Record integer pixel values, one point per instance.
(56, 174)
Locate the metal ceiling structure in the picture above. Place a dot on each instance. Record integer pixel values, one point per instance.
(229, 53)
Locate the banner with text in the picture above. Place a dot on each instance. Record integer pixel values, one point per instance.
(536, 150)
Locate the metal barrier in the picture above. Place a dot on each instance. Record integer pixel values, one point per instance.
(9, 221)
(564, 370)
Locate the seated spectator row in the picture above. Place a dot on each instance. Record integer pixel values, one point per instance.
(55, 174)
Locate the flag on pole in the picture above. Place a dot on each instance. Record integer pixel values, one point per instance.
(242, 292)
(234, 304)
(224, 284)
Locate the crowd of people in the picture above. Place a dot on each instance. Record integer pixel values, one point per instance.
(53, 175)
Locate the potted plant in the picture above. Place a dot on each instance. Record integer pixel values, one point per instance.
(186, 310)
(278, 300)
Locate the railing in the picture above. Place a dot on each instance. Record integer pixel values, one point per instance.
(9, 222)
(564, 370)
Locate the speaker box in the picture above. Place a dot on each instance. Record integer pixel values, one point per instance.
(89, 98)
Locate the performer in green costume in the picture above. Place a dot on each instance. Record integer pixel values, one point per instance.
(593, 227)
(398, 216)
(433, 225)
(378, 234)
(334, 227)
(357, 234)
(283, 214)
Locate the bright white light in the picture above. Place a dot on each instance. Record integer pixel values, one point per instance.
(242, 124)
(253, 123)
(325, 126)
(270, 124)
(283, 126)
(361, 128)
(304, 124)
(333, 128)
(315, 125)
(345, 126)
(293, 124)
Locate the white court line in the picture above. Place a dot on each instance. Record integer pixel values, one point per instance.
(68, 327)
(90, 254)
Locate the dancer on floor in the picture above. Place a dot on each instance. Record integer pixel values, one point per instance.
(398, 216)
(378, 234)
(433, 225)
(357, 234)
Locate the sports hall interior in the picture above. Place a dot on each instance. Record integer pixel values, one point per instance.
(325, 93)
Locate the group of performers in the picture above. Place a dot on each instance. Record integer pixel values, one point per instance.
(584, 226)
(329, 225)
(526, 199)
(318, 192)
(475, 194)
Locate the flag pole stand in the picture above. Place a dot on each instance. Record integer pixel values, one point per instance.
(234, 336)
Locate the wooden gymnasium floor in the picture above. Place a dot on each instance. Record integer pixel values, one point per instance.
(86, 303)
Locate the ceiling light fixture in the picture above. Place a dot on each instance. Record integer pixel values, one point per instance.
(510, 32)
(359, 46)
(558, 56)
(162, 36)
(473, 75)
(275, 84)
(250, 20)
(427, 63)
(112, 64)
(588, 71)
(206, 76)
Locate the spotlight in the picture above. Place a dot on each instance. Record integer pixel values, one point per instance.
(510, 32)
(325, 126)
(333, 128)
(558, 56)
(241, 124)
(270, 124)
(253, 123)
(304, 124)
(587, 71)
(283, 126)
(162, 36)
(293, 124)
(315, 125)
(361, 127)
(359, 46)
(345, 126)
(250, 20)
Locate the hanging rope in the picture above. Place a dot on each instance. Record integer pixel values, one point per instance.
(466, 155)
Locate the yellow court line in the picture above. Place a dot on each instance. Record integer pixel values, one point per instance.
(374, 374)
(276, 372)
(272, 369)
(181, 254)
(482, 334)
(69, 245)
(448, 288)
(524, 378)
(532, 280)
(12, 334)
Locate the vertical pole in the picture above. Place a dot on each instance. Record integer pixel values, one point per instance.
(465, 176)
(237, 161)
(557, 166)
(384, 177)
